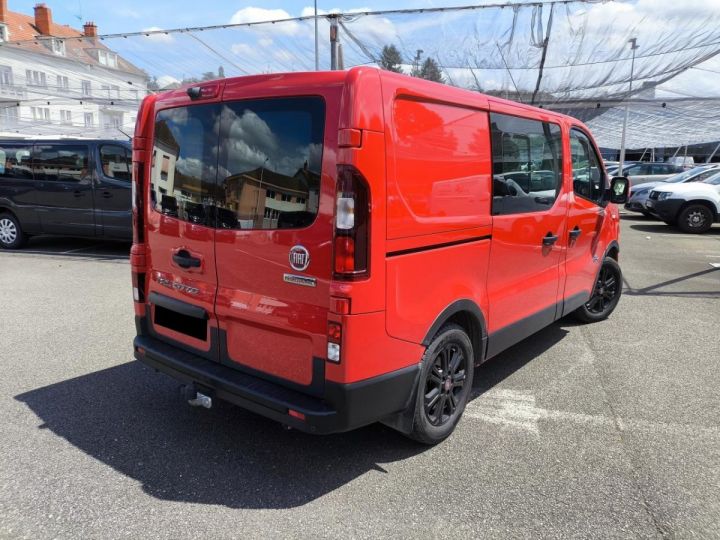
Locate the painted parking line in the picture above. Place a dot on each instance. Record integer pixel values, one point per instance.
(715, 265)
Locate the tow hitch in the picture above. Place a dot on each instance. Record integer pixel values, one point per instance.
(194, 397)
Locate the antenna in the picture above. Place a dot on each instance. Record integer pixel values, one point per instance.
(79, 16)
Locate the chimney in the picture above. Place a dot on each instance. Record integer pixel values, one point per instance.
(43, 19)
(89, 29)
(3, 11)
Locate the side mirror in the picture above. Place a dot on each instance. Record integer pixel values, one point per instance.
(619, 189)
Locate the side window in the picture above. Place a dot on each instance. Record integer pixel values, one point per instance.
(115, 161)
(588, 176)
(15, 161)
(62, 163)
(526, 164)
(704, 175)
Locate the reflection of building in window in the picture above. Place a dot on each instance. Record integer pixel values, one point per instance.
(253, 196)
(165, 155)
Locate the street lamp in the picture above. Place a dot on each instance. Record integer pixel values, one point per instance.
(633, 48)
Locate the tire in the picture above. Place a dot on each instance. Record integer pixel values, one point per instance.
(444, 385)
(605, 296)
(695, 219)
(11, 234)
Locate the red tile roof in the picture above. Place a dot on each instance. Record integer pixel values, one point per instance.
(22, 33)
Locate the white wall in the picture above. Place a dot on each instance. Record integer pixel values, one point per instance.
(106, 107)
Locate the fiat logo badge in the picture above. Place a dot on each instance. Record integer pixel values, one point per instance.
(299, 258)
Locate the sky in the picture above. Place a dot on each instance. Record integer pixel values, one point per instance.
(127, 15)
(594, 31)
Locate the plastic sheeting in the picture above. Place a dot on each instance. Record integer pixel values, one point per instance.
(554, 54)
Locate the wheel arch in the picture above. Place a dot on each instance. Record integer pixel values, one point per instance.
(710, 205)
(613, 250)
(468, 315)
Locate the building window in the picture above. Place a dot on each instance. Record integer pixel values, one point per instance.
(58, 47)
(35, 78)
(8, 116)
(105, 90)
(40, 113)
(6, 76)
(63, 84)
(107, 58)
(89, 121)
(86, 88)
(270, 194)
(3, 32)
(115, 91)
(66, 117)
(285, 198)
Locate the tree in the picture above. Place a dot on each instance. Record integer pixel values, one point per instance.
(208, 76)
(390, 59)
(430, 70)
(153, 84)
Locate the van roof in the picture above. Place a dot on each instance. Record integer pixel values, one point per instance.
(433, 90)
(34, 140)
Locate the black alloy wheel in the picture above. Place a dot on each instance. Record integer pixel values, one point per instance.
(444, 384)
(605, 295)
(606, 289)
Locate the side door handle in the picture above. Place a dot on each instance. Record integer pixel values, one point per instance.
(549, 239)
(575, 233)
(78, 193)
(106, 194)
(184, 260)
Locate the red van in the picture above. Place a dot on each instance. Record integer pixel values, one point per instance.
(335, 249)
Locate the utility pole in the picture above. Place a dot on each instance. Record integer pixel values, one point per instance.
(633, 47)
(416, 63)
(334, 39)
(317, 54)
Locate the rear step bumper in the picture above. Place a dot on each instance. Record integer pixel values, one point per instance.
(345, 407)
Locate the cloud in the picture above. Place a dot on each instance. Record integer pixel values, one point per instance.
(252, 14)
(160, 38)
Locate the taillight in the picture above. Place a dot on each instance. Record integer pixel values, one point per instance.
(352, 224)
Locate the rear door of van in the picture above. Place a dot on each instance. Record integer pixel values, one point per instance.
(182, 279)
(275, 203)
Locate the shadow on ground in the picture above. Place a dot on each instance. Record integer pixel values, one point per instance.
(133, 420)
(76, 248)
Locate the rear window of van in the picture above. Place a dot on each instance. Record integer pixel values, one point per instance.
(251, 164)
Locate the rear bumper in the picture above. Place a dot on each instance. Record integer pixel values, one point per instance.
(344, 406)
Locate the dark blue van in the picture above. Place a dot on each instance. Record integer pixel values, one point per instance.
(65, 187)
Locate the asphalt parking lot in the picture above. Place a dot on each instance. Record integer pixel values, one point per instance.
(608, 430)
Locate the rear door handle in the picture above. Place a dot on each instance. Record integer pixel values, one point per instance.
(549, 239)
(575, 233)
(78, 193)
(184, 260)
(106, 195)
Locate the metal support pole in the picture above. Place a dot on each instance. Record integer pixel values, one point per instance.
(713, 154)
(633, 47)
(676, 151)
(317, 53)
(333, 42)
(340, 60)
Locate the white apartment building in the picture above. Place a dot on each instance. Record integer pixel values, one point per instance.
(56, 81)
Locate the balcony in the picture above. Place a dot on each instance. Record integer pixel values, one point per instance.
(12, 92)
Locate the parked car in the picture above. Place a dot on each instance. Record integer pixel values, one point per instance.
(67, 187)
(378, 245)
(686, 162)
(639, 193)
(692, 207)
(646, 171)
